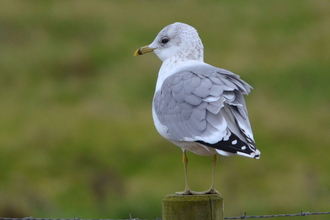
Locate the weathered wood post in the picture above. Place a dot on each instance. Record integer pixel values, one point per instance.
(193, 207)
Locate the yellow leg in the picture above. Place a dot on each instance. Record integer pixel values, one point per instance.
(214, 160)
(185, 164)
(212, 190)
(187, 190)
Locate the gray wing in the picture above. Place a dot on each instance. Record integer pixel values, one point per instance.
(206, 105)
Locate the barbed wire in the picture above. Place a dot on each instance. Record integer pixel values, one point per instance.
(244, 216)
(280, 215)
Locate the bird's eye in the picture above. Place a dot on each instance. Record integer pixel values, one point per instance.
(165, 40)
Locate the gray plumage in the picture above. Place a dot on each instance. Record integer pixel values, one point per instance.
(204, 103)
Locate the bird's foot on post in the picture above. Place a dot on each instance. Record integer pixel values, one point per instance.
(210, 191)
(190, 192)
(186, 192)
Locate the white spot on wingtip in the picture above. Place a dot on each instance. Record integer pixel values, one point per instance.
(243, 148)
(234, 142)
(226, 137)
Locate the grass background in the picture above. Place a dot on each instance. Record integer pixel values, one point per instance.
(76, 132)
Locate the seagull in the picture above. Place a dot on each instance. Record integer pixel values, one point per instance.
(197, 106)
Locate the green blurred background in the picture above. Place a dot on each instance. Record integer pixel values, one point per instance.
(76, 132)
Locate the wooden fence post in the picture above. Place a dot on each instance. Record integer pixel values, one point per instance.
(193, 207)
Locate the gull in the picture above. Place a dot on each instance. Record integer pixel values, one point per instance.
(197, 106)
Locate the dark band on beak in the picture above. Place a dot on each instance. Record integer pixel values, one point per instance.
(143, 50)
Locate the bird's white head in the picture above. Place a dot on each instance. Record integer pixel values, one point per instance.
(178, 41)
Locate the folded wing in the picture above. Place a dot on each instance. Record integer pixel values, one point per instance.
(206, 106)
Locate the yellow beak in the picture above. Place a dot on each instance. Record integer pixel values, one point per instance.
(143, 50)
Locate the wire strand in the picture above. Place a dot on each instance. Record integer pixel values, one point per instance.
(280, 215)
(237, 217)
